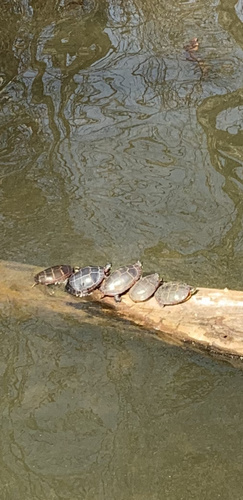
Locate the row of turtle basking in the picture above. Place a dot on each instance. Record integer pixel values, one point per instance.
(81, 282)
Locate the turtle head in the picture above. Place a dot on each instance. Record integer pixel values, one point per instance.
(107, 268)
(193, 290)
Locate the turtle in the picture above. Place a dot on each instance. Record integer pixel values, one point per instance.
(192, 47)
(53, 275)
(86, 280)
(173, 292)
(144, 288)
(121, 280)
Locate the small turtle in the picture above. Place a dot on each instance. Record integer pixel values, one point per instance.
(144, 288)
(87, 279)
(53, 275)
(192, 47)
(173, 292)
(121, 280)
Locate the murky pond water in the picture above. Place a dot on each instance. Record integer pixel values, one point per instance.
(117, 144)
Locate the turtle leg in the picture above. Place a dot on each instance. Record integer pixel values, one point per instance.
(117, 298)
(82, 294)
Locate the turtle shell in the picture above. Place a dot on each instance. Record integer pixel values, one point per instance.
(172, 293)
(86, 280)
(53, 275)
(144, 288)
(121, 280)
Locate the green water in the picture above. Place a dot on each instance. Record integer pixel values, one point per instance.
(115, 146)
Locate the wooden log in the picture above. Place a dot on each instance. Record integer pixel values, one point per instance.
(212, 319)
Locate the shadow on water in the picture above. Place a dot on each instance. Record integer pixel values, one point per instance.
(115, 146)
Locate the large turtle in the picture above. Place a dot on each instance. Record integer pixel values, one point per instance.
(121, 280)
(144, 288)
(173, 292)
(53, 275)
(87, 279)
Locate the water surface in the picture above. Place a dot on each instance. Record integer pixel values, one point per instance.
(114, 146)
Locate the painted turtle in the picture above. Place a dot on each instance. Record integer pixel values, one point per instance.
(53, 275)
(121, 280)
(144, 288)
(86, 280)
(192, 47)
(173, 292)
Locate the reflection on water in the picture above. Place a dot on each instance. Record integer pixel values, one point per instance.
(100, 118)
(115, 146)
(115, 414)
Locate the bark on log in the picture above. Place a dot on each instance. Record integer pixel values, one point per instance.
(212, 319)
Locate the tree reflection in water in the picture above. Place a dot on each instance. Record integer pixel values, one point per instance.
(113, 147)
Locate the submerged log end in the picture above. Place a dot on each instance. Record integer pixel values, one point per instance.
(212, 319)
